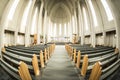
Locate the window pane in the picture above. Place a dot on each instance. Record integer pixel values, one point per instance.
(54, 29)
(60, 26)
(34, 26)
(107, 10)
(25, 16)
(85, 19)
(93, 13)
(65, 29)
(12, 10)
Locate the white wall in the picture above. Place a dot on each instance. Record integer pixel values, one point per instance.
(87, 40)
(21, 40)
(111, 39)
(9, 38)
(99, 40)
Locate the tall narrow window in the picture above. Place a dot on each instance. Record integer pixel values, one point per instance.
(12, 9)
(51, 27)
(107, 10)
(85, 19)
(25, 16)
(60, 29)
(65, 28)
(69, 29)
(34, 25)
(55, 29)
(73, 24)
(93, 13)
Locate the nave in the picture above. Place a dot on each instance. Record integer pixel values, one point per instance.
(64, 39)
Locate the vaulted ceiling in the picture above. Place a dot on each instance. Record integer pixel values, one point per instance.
(60, 11)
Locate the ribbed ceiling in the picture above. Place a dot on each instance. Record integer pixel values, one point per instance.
(60, 11)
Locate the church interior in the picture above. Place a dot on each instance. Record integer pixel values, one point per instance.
(59, 40)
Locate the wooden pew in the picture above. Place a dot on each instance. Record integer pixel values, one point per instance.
(98, 73)
(107, 56)
(10, 69)
(110, 70)
(13, 57)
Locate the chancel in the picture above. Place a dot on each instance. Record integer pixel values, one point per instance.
(59, 40)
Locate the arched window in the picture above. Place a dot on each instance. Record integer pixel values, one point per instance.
(73, 24)
(85, 19)
(93, 13)
(107, 10)
(12, 9)
(55, 29)
(65, 28)
(25, 16)
(60, 29)
(34, 25)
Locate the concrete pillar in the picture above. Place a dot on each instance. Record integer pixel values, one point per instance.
(40, 21)
(45, 24)
(80, 21)
(93, 37)
(1, 37)
(70, 29)
(27, 30)
(104, 38)
(75, 22)
(67, 26)
(18, 12)
(16, 36)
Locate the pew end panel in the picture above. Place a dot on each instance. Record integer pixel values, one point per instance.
(96, 71)
(23, 71)
(84, 66)
(42, 59)
(116, 51)
(78, 59)
(35, 65)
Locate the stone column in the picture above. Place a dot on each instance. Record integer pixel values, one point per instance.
(27, 30)
(44, 27)
(93, 37)
(40, 21)
(80, 21)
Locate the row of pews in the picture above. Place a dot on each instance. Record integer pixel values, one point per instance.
(26, 63)
(100, 63)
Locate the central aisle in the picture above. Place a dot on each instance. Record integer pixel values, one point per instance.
(60, 67)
